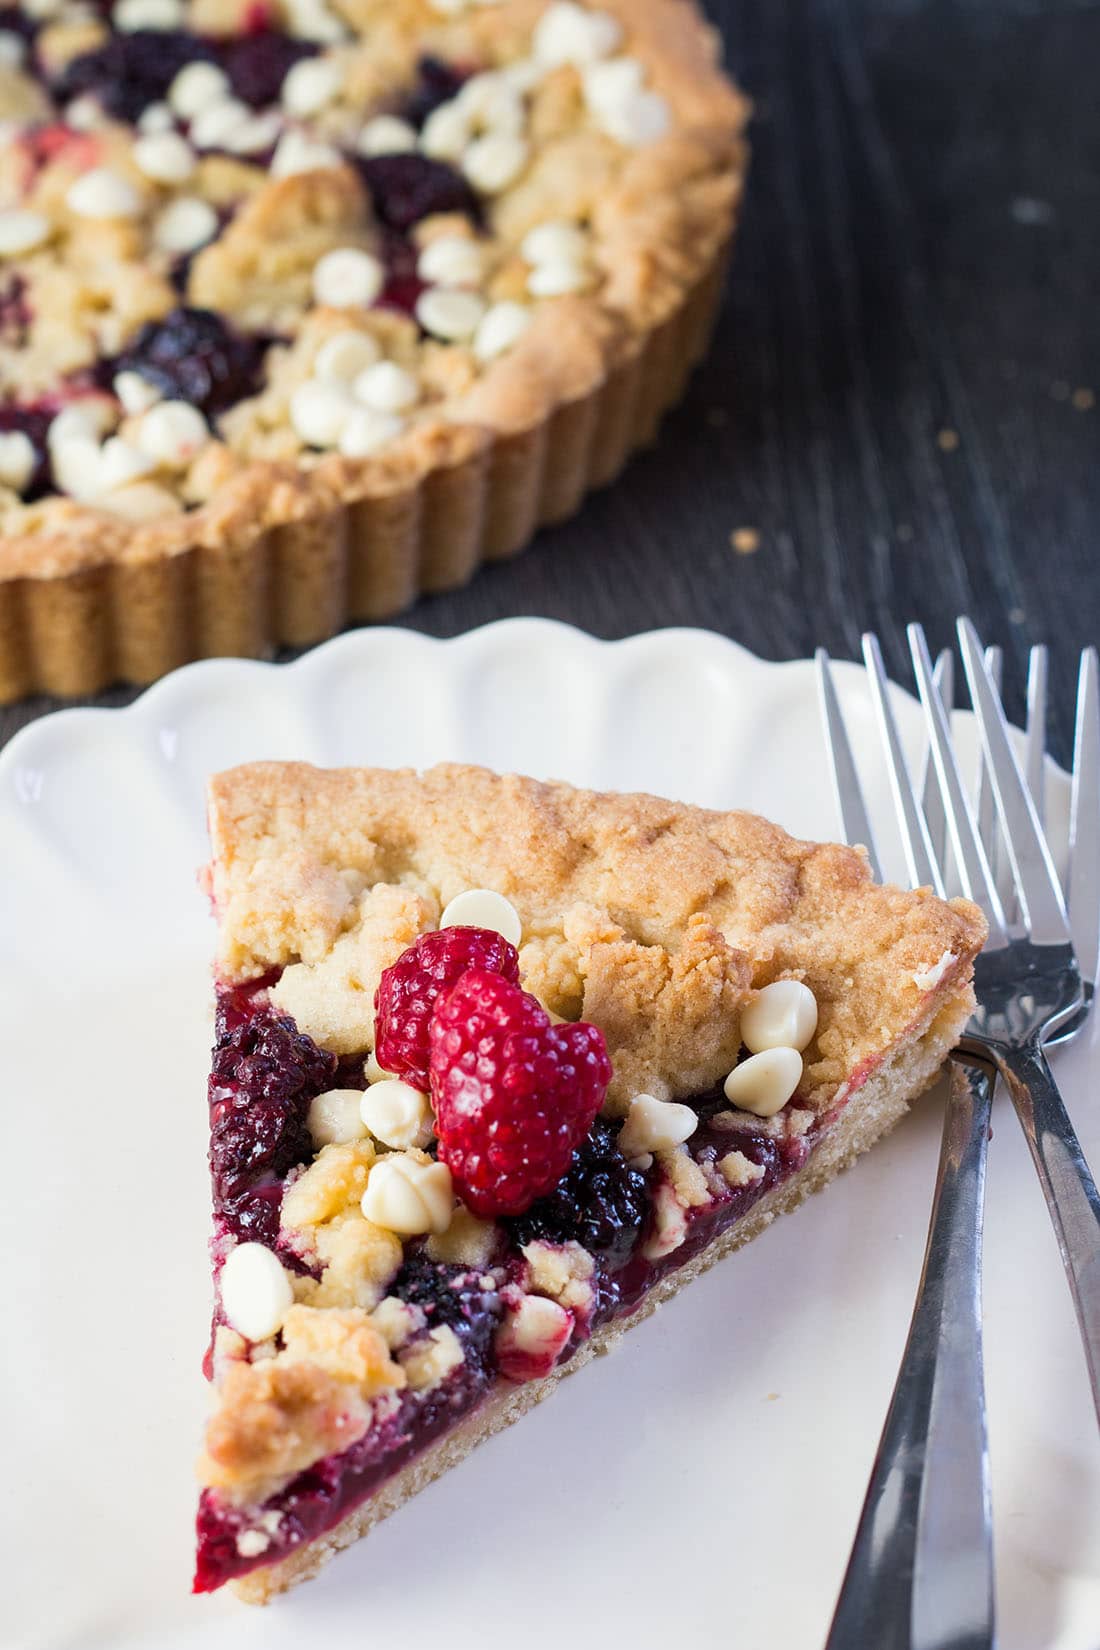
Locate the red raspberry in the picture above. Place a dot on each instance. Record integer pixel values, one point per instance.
(407, 992)
(514, 1095)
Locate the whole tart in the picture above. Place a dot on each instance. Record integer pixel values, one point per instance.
(307, 306)
(500, 1066)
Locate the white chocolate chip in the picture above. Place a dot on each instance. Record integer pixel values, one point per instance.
(184, 225)
(452, 260)
(344, 356)
(172, 432)
(256, 1291)
(166, 157)
(102, 193)
(638, 120)
(372, 1071)
(927, 979)
(297, 153)
(553, 242)
(310, 85)
(396, 1114)
(557, 277)
(482, 908)
(76, 465)
(12, 49)
(764, 1082)
(492, 104)
(22, 231)
(449, 313)
(41, 9)
(198, 86)
(333, 1119)
(494, 161)
(348, 278)
(85, 114)
(251, 1543)
(502, 326)
(782, 1015)
(319, 412)
(256, 134)
(387, 135)
(538, 1330)
(216, 126)
(135, 393)
(409, 1197)
(446, 132)
(83, 420)
(312, 20)
(609, 85)
(386, 387)
(128, 15)
(366, 431)
(569, 33)
(17, 459)
(157, 117)
(655, 1126)
(121, 462)
(449, 8)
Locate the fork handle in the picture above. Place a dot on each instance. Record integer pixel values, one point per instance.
(920, 1576)
(1068, 1187)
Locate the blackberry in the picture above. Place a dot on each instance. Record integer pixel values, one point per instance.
(437, 82)
(601, 1202)
(264, 1073)
(451, 1295)
(258, 63)
(408, 187)
(192, 355)
(130, 71)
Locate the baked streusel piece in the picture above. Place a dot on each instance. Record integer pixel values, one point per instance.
(500, 1065)
(308, 305)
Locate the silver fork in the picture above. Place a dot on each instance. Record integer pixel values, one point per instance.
(921, 1571)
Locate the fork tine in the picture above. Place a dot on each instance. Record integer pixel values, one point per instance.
(1083, 876)
(1036, 880)
(922, 866)
(973, 867)
(986, 808)
(931, 802)
(1037, 729)
(849, 797)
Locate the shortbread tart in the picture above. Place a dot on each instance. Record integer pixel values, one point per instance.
(500, 1066)
(308, 306)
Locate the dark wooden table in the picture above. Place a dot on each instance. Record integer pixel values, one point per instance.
(899, 409)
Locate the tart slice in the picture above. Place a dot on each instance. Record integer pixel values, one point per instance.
(499, 1066)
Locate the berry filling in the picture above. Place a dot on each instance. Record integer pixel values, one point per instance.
(264, 1074)
(131, 71)
(193, 355)
(407, 187)
(33, 421)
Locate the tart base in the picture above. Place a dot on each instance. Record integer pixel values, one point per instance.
(872, 1112)
(297, 584)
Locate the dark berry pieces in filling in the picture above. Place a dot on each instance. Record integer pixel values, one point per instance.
(452, 1295)
(263, 1076)
(258, 63)
(601, 1202)
(33, 421)
(437, 82)
(130, 71)
(406, 188)
(193, 355)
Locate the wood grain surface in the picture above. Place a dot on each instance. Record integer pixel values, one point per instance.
(898, 416)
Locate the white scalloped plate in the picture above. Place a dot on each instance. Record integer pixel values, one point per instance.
(702, 1484)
